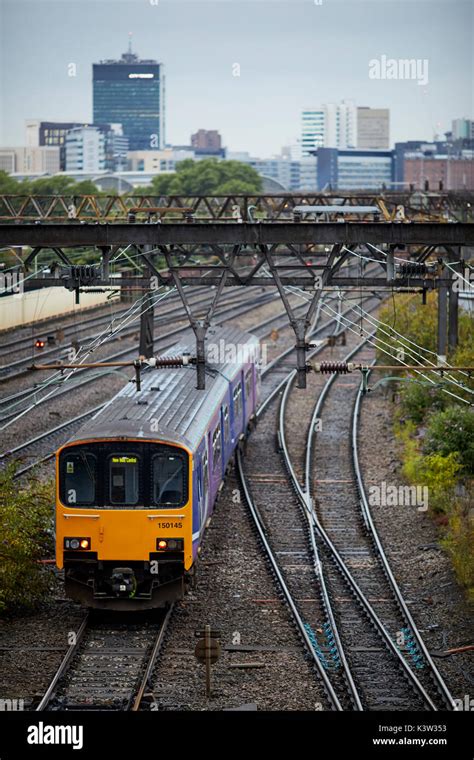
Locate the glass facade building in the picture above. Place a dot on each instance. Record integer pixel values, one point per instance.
(354, 169)
(131, 92)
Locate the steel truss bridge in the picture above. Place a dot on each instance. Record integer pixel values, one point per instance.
(417, 206)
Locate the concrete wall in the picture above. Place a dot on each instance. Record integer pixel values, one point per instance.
(43, 303)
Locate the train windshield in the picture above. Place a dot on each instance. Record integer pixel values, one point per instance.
(80, 477)
(124, 475)
(169, 472)
(123, 479)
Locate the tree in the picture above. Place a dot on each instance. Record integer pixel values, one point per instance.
(207, 177)
(8, 185)
(26, 527)
(55, 185)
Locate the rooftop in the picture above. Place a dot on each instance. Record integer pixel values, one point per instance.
(129, 57)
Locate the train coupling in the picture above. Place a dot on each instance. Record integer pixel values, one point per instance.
(123, 582)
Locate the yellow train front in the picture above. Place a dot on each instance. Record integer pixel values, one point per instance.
(137, 484)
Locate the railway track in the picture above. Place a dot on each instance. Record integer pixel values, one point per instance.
(285, 535)
(108, 664)
(354, 618)
(342, 511)
(411, 630)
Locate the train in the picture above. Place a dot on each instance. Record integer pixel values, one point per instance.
(137, 484)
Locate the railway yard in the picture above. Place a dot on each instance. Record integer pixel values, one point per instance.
(236, 379)
(309, 586)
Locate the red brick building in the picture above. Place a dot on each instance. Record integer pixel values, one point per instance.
(206, 141)
(454, 173)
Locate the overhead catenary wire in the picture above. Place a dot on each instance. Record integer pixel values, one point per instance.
(412, 352)
(375, 343)
(351, 324)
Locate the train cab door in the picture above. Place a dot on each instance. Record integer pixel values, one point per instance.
(203, 489)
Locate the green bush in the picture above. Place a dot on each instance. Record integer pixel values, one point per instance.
(26, 520)
(439, 473)
(459, 543)
(417, 323)
(435, 429)
(417, 398)
(452, 431)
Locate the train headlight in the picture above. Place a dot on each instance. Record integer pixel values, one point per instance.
(169, 544)
(77, 543)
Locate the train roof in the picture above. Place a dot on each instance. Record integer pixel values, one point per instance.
(169, 407)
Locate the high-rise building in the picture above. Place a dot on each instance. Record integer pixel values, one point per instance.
(373, 128)
(313, 130)
(331, 126)
(344, 125)
(85, 150)
(131, 92)
(207, 141)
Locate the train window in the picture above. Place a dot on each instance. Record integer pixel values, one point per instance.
(169, 479)
(225, 414)
(205, 469)
(216, 446)
(237, 397)
(123, 479)
(248, 389)
(79, 478)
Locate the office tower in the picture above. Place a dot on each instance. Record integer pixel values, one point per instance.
(131, 92)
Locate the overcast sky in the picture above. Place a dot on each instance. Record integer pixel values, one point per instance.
(291, 53)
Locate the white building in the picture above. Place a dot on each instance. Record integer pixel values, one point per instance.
(373, 128)
(85, 150)
(158, 160)
(37, 160)
(331, 126)
(292, 175)
(343, 126)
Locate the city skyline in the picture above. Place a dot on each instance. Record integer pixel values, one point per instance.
(218, 45)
